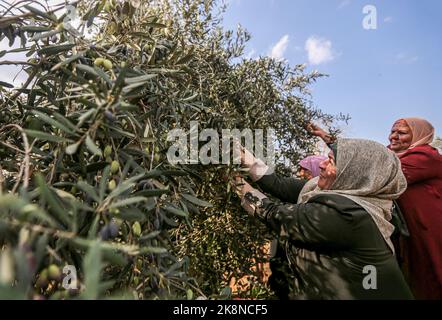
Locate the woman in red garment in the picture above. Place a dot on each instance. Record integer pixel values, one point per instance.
(421, 205)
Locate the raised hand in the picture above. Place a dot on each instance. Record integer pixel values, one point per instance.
(317, 131)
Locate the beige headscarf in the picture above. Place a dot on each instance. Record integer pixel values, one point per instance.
(370, 175)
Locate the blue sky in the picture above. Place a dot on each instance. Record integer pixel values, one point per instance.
(376, 75)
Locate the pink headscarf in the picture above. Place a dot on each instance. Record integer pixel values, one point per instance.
(311, 163)
(423, 131)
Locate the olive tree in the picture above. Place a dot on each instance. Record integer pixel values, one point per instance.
(84, 176)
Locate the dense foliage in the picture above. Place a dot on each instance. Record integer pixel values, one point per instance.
(84, 178)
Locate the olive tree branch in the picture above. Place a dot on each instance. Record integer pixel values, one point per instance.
(24, 168)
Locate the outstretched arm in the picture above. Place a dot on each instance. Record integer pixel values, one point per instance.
(307, 224)
(286, 189)
(319, 132)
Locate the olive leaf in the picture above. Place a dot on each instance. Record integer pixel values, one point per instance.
(196, 201)
(92, 146)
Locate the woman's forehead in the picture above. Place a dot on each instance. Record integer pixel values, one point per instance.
(401, 123)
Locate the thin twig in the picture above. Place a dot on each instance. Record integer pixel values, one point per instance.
(25, 85)
(26, 160)
(7, 21)
(54, 166)
(16, 4)
(31, 14)
(2, 179)
(11, 146)
(18, 178)
(53, 253)
(18, 63)
(41, 229)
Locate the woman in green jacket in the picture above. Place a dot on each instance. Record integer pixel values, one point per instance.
(335, 228)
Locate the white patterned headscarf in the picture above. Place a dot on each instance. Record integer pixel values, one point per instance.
(370, 175)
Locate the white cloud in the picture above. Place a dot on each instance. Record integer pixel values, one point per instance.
(344, 3)
(388, 19)
(403, 57)
(250, 54)
(278, 50)
(319, 50)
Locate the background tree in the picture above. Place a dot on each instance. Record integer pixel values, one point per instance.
(437, 143)
(84, 178)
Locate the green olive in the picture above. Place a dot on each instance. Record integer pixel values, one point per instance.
(112, 185)
(98, 62)
(136, 228)
(107, 64)
(42, 281)
(107, 151)
(54, 272)
(114, 211)
(115, 166)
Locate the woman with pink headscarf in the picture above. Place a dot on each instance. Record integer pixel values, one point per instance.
(421, 205)
(309, 167)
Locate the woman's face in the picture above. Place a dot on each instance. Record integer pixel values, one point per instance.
(304, 173)
(400, 136)
(328, 172)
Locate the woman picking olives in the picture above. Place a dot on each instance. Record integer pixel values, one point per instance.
(335, 227)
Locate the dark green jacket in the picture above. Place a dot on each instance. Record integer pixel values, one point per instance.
(329, 241)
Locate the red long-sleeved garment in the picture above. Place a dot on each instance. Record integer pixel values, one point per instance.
(421, 205)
